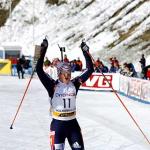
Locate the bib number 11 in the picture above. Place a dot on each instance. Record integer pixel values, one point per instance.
(66, 103)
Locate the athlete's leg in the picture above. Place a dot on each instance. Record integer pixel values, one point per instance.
(76, 141)
(57, 135)
(59, 145)
(75, 137)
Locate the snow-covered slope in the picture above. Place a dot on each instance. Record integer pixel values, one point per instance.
(112, 28)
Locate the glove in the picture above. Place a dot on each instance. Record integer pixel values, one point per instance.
(84, 47)
(44, 46)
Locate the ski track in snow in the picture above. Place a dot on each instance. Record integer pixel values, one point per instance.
(104, 122)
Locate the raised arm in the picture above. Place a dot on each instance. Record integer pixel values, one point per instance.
(89, 64)
(47, 81)
(89, 67)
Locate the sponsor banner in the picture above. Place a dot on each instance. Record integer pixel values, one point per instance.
(135, 87)
(145, 90)
(123, 84)
(98, 82)
(130, 86)
(5, 67)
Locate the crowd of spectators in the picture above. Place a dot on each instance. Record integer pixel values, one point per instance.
(20, 66)
(50, 66)
(127, 69)
(113, 66)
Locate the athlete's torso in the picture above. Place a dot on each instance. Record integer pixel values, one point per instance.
(63, 103)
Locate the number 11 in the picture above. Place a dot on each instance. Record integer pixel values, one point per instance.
(66, 101)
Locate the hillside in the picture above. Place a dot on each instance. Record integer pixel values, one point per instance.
(118, 28)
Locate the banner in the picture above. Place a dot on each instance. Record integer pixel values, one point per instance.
(98, 82)
(5, 67)
(123, 84)
(135, 87)
(145, 90)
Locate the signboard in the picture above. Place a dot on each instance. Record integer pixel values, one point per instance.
(5, 67)
(37, 52)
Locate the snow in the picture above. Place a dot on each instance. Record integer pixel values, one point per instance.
(104, 122)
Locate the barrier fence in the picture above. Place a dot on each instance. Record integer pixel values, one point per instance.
(129, 86)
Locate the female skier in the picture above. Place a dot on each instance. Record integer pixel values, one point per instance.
(62, 94)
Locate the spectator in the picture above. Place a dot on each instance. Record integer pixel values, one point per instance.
(111, 60)
(47, 62)
(53, 69)
(20, 66)
(75, 66)
(115, 61)
(55, 61)
(144, 71)
(50, 68)
(30, 69)
(79, 62)
(139, 70)
(132, 69)
(148, 74)
(142, 61)
(113, 68)
(128, 72)
(117, 66)
(101, 68)
(13, 65)
(97, 62)
(27, 66)
(46, 68)
(123, 70)
(66, 59)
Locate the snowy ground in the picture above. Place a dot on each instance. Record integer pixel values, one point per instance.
(104, 122)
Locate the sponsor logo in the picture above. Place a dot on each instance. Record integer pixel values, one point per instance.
(59, 114)
(135, 88)
(2, 65)
(64, 94)
(98, 81)
(76, 145)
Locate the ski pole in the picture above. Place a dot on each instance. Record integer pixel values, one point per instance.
(11, 127)
(45, 42)
(122, 103)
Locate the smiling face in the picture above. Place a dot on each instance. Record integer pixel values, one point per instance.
(64, 77)
(64, 72)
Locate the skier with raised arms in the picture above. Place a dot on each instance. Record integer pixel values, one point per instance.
(62, 95)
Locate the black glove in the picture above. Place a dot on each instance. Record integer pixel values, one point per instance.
(84, 47)
(44, 46)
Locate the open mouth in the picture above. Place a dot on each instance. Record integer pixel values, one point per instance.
(66, 78)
